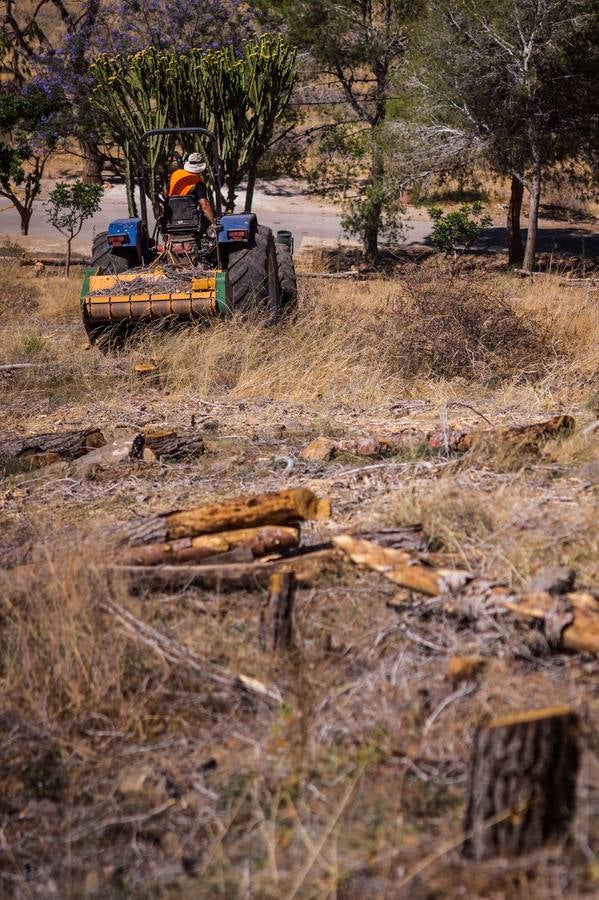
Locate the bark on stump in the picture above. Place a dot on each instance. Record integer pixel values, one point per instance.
(276, 615)
(63, 444)
(522, 792)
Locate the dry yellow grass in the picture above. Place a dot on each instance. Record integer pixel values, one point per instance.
(125, 774)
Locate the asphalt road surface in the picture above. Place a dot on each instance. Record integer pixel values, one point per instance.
(282, 204)
(279, 204)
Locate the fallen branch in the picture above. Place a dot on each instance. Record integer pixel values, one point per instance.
(10, 367)
(570, 620)
(180, 655)
(277, 508)
(403, 568)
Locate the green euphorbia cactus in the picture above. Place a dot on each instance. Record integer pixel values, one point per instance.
(239, 98)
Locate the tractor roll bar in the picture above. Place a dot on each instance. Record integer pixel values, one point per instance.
(187, 130)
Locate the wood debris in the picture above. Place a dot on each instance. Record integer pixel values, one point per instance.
(569, 620)
(522, 437)
(42, 449)
(260, 541)
(403, 568)
(167, 445)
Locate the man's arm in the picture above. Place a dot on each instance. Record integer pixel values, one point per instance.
(206, 208)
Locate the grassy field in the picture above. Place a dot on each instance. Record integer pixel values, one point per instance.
(124, 774)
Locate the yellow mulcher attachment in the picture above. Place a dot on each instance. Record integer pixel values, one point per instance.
(109, 300)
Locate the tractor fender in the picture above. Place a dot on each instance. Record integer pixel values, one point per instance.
(233, 224)
(128, 238)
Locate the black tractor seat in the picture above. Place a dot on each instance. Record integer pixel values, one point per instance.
(181, 216)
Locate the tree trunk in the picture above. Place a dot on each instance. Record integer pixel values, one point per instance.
(68, 264)
(374, 205)
(249, 195)
(533, 214)
(93, 161)
(514, 234)
(25, 215)
(276, 616)
(522, 792)
(130, 183)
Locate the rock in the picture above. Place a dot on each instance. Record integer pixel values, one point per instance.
(108, 455)
(589, 472)
(320, 449)
(554, 580)
(133, 781)
(465, 668)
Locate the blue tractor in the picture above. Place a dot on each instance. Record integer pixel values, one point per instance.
(186, 269)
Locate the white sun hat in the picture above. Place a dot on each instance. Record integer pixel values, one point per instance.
(195, 164)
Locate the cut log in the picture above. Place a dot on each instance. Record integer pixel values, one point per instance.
(260, 541)
(522, 791)
(52, 446)
(306, 566)
(278, 508)
(167, 445)
(570, 620)
(276, 615)
(403, 568)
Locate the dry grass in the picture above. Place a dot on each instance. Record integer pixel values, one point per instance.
(126, 775)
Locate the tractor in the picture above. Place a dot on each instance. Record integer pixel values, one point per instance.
(186, 270)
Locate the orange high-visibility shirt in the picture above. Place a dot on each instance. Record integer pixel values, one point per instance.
(182, 183)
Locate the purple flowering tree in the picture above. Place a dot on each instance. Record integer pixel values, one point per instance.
(31, 123)
(93, 27)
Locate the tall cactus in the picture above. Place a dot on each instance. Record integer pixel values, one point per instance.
(240, 99)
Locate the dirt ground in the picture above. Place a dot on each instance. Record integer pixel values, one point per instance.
(125, 773)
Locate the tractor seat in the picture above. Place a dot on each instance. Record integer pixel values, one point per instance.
(181, 216)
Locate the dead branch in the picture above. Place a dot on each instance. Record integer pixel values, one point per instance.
(184, 656)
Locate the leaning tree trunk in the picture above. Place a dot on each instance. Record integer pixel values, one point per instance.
(522, 792)
(93, 161)
(514, 234)
(533, 214)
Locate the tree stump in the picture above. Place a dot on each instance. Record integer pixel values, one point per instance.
(276, 615)
(522, 792)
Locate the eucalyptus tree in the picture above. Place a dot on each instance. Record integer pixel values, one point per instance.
(360, 46)
(520, 79)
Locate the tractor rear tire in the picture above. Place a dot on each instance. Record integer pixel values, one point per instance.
(287, 278)
(106, 337)
(104, 258)
(253, 277)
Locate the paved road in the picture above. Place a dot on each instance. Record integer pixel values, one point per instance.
(282, 204)
(279, 204)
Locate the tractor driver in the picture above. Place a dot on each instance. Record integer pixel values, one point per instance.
(188, 181)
